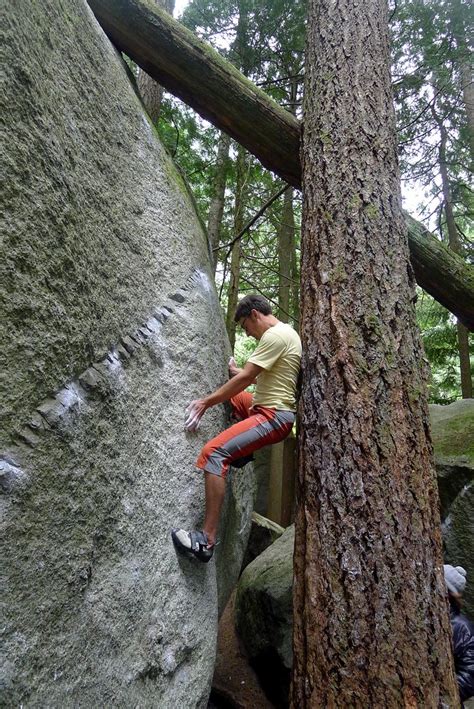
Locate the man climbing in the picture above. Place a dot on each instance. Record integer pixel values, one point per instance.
(264, 418)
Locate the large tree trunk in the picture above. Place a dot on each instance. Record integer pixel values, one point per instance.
(371, 627)
(455, 245)
(216, 209)
(150, 90)
(192, 70)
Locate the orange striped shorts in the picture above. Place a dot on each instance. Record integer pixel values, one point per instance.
(257, 427)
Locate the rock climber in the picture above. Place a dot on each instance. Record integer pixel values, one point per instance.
(263, 418)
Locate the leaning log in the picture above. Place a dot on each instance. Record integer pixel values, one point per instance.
(441, 272)
(190, 69)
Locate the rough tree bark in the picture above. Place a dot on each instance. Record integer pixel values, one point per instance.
(150, 90)
(371, 627)
(190, 69)
(216, 209)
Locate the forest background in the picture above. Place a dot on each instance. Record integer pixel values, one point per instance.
(253, 218)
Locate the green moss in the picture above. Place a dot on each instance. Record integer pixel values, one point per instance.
(414, 394)
(390, 358)
(325, 139)
(339, 274)
(373, 325)
(372, 211)
(355, 202)
(360, 363)
(454, 435)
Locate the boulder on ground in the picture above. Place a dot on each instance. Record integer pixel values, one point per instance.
(264, 612)
(452, 430)
(263, 533)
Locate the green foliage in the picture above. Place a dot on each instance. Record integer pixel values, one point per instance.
(429, 48)
(438, 330)
(260, 38)
(244, 347)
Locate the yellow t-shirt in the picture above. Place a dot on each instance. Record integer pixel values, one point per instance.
(279, 354)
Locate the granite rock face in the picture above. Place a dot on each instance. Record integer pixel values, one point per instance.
(111, 326)
(234, 530)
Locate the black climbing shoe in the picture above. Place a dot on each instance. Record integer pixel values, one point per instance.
(192, 544)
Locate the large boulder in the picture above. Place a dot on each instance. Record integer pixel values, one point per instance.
(111, 326)
(263, 533)
(264, 615)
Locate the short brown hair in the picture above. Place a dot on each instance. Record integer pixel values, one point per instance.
(252, 302)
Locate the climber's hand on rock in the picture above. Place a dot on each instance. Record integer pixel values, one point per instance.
(193, 414)
(233, 369)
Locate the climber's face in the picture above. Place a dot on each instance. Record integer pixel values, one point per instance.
(252, 325)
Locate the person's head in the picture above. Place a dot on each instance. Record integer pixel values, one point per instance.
(455, 579)
(254, 315)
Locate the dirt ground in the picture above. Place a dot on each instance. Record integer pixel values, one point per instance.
(235, 684)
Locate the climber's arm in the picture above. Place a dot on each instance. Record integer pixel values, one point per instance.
(234, 386)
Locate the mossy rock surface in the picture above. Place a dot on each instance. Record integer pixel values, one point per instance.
(452, 429)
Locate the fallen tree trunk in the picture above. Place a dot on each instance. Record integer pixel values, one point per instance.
(441, 272)
(193, 71)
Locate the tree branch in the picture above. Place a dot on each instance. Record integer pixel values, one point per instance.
(255, 217)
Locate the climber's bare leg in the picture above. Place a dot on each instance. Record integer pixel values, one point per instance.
(215, 492)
